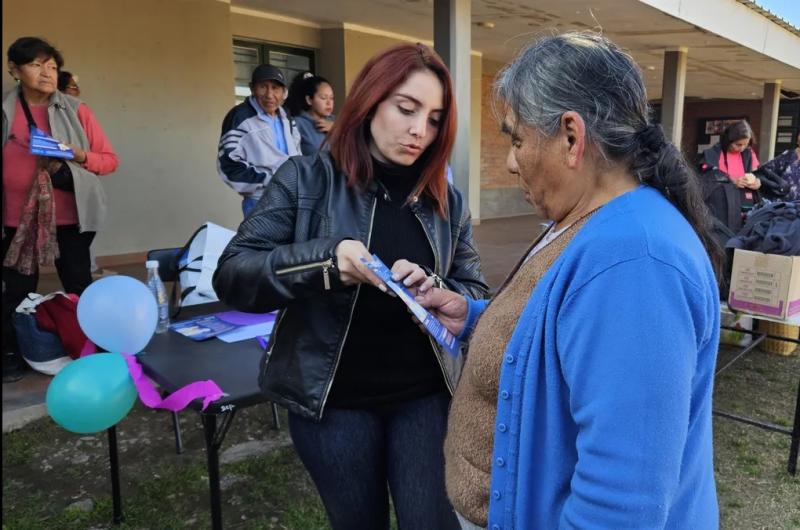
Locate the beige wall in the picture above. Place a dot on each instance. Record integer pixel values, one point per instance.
(359, 48)
(254, 26)
(160, 86)
(159, 77)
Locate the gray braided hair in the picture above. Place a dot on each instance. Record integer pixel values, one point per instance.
(586, 73)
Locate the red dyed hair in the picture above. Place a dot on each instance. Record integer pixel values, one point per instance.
(380, 77)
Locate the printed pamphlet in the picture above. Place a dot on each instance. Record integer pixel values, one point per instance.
(436, 329)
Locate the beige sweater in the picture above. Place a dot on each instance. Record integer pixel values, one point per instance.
(470, 429)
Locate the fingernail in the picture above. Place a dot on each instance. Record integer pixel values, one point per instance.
(395, 277)
(382, 287)
(407, 282)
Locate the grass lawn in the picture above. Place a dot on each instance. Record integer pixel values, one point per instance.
(53, 479)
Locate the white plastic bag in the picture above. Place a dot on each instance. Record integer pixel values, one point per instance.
(198, 261)
(739, 321)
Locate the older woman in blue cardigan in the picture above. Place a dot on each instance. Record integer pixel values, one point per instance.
(585, 400)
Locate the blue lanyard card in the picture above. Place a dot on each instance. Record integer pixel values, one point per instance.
(436, 329)
(43, 144)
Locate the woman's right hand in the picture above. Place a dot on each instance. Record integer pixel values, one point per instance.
(323, 125)
(748, 180)
(448, 306)
(352, 270)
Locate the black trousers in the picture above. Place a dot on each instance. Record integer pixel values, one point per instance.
(74, 269)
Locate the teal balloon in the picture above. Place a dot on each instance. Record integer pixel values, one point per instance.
(118, 313)
(91, 394)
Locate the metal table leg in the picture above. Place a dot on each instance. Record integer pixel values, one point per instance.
(176, 425)
(114, 461)
(792, 467)
(214, 437)
(276, 420)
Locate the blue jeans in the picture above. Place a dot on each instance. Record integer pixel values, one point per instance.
(248, 203)
(352, 455)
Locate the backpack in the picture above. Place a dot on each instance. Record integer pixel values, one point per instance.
(197, 261)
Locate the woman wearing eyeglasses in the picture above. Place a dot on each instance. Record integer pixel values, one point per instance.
(52, 207)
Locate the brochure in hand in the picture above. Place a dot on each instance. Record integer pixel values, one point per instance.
(436, 329)
(44, 145)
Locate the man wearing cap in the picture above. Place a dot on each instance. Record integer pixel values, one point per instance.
(257, 137)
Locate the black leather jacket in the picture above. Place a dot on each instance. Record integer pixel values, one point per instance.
(283, 257)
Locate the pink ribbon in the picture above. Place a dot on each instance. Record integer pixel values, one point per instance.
(178, 400)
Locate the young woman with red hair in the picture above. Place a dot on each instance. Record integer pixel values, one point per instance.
(367, 391)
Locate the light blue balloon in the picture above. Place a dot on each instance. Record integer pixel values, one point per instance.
(118, 313)
(91, 394)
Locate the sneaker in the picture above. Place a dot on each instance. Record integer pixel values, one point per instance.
(13, 369)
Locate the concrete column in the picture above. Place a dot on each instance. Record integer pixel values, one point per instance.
(452, 38)
(769, 120)
(672, 93)
(332, 61)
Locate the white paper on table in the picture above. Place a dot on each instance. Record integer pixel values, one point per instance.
(247, 332)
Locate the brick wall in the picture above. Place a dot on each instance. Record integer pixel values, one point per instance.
(695, 111)
(494, 146)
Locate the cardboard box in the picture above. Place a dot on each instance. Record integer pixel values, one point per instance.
(765, 284)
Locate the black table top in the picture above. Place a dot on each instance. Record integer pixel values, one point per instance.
(172, 361)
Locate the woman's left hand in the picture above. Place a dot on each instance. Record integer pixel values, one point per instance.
(413, 277)
(80, 154)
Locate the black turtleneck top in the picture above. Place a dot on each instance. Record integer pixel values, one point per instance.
(386, 358)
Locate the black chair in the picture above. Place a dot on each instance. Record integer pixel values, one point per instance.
(169, 271)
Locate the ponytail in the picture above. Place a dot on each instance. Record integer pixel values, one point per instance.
(658, 163)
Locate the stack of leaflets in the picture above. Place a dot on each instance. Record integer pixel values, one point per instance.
(202, 328)
(228, 326)
(436, 329)
(44, 145)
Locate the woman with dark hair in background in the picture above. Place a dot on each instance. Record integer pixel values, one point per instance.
(310, 102)
(585, 400)
(367, 391)
(52, 207)
(732, 181)
(68, 84)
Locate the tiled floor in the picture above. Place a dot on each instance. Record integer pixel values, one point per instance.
(500, 242)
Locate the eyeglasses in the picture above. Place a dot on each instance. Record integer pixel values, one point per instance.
(73, 87)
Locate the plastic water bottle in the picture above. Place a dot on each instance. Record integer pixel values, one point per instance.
(159, 291)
